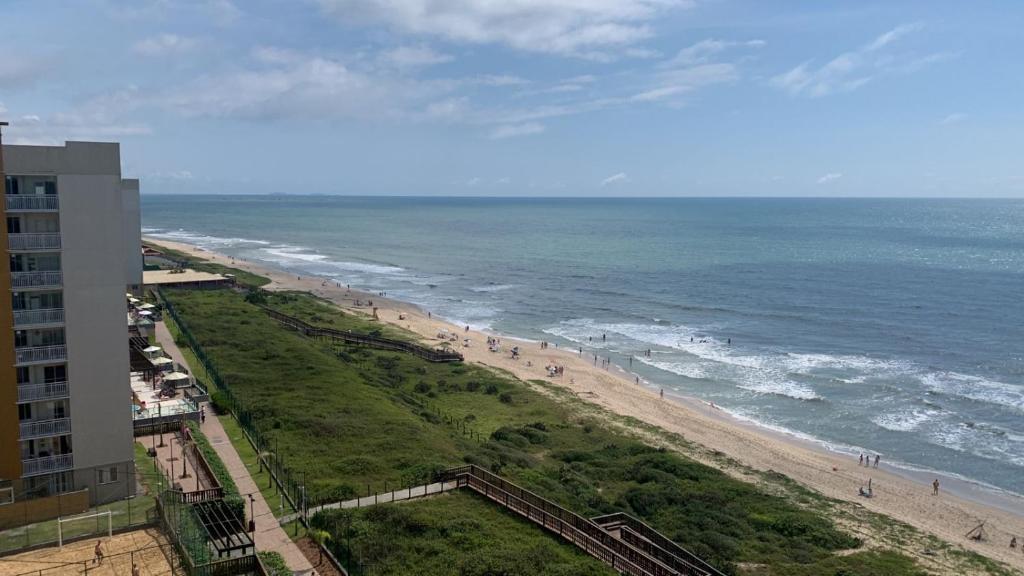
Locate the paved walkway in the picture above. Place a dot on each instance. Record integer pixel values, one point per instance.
(381, 498)
(269, 534)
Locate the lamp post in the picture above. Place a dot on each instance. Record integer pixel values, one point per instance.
(252, 514)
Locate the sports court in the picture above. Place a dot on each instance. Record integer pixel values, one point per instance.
(148, 548)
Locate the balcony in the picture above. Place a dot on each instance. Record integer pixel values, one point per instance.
(33, 242)
(37, 392)
(46, 465)
(43, 428)
(34, 354)
(32, 203)
(41, 317)
(44, 279)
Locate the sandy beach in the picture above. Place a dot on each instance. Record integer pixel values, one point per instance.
(903, 495)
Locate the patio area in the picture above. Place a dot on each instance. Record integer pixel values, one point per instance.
(147, 401)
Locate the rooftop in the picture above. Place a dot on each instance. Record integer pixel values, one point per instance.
(186, 276)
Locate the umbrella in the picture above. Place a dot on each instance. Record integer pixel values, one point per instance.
(146, 306)
(176, 376)
(128, 295)
(151, 349)
(162, 360)
(145, 313)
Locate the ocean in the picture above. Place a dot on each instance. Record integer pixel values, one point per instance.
(886, 326)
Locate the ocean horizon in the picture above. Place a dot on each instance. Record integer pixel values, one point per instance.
(884, 326)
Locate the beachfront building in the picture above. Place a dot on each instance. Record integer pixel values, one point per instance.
(72, 239)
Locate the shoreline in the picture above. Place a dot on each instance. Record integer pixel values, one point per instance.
(901, 492)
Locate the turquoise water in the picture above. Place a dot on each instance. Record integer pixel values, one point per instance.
(890, 326)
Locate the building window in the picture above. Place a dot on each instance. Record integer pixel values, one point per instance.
(106, 476)
(6, 496)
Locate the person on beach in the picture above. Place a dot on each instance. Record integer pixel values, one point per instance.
(877, 457)
(861, 463)
(662, 393)
(135, 569)
(97, 552)
(638, 380)
(604, 337)
(935, 487)
(429, 316)
(1013, 542)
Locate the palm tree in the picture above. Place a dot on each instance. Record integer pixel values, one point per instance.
(320, 538)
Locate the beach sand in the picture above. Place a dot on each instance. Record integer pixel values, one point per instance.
(904, 496)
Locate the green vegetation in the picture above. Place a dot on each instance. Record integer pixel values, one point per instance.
(452, 534)
(232, 497)
(274, 563)
(354, 418)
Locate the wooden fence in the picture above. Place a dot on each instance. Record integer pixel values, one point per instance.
(378, 342)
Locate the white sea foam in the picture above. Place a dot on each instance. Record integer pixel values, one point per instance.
(687, 369)
(975, 388)
(291, 255)
(203, 240)
(782, 388)
(493, 287)
(906, 420)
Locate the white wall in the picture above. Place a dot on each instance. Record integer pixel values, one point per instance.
(132, 221)
(96, 330)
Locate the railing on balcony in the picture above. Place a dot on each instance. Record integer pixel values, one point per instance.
(32, 202)
(43, 241)
(41, 428)
(41, 316)
(40, 354)
(46, 464)
(48, 391)
(45, 279)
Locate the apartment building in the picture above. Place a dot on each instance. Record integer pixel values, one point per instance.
(72, 237)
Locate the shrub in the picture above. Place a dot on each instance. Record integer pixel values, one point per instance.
(491, 389)
(422, 387)
(220, 403)
(274, 563)
(506, 397)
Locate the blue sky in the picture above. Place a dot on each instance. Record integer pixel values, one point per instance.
(529, 97)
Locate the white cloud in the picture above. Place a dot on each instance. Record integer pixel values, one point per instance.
(473, 181)
(513, 130)
(851, 70)
(829, 177)
(503, 181)
(702, 51)
(620, 178)
(585, 28)
(286, 83)
(414, 57)
(500, 80)
(103, 118)
(953, 118)
(165, 44)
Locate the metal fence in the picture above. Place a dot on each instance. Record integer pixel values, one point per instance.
(287, 480)
(125, 514)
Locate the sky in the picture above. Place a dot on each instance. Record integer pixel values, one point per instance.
(528, 97)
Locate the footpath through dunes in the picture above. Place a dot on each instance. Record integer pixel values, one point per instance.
(716, 439)
(355, 420)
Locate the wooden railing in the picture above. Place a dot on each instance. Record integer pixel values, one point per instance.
(206, 495)
(655, 544)
(363, 339)
(584, 533)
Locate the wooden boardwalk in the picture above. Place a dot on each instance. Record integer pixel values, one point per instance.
(347, 337)
(381, 498)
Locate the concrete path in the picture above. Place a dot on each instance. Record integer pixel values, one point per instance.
(381, 498)
(269, 534)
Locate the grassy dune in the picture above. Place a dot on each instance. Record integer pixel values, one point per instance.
(353, 417)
